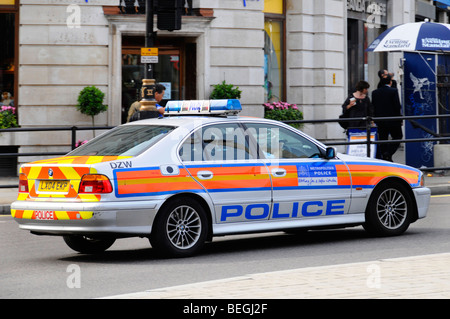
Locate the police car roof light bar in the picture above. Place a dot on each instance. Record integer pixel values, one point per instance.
(203, 107)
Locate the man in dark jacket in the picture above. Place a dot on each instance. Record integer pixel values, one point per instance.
(386, 103)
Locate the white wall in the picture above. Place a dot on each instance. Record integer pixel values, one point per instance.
(236, 53)
(63, 48)
(316, 54)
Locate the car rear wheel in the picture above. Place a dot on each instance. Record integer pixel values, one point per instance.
(88, 245)
(389, 210)
(180, 228)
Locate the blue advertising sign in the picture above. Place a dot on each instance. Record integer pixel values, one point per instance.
(419, 99)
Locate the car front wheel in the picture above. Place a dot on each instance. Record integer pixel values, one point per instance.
(180, 228)
(389, 210)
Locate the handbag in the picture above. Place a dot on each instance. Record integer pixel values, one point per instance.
(344, 124)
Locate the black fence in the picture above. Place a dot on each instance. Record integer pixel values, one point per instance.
(368, 120)
(72, 129)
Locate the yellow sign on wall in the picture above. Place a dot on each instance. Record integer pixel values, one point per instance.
(7, 2)
(273, 6)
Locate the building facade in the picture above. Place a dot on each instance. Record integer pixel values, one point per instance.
(306, 52)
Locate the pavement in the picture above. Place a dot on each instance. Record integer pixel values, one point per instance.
(419, 277)
(415, 277)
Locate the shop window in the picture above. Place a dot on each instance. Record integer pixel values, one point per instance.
(364, 24)
(274, 51)
(363, 65)
(273, 61)
(167, 72)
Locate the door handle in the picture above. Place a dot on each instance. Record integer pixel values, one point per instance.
(205, 175)
(278, 172)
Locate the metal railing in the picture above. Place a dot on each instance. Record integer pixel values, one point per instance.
(72, 129)
(368, 120)
(368, 141)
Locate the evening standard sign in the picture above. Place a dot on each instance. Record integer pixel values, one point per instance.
(435, 43)
(397, 44)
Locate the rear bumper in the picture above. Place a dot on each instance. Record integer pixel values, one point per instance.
(108, 218)
(422, 196)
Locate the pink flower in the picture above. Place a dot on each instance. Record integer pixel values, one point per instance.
(8, 108)
(79, 143)
(280, 105)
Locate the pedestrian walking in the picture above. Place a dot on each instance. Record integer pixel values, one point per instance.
(384, 73)
(386, 103)
(358, 105)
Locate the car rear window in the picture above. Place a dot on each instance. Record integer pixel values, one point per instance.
(127, 140)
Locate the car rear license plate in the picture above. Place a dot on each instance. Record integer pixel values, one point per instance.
(54, 186)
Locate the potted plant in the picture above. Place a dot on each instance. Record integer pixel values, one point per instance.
(90, 102)
(283, 111)
(225, 91)
(8, 120)
(8, 117)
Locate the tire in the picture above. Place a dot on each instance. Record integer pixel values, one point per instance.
(88, 245)
(180, 228)
(389, 211)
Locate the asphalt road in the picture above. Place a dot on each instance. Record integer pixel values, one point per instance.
(44, 267)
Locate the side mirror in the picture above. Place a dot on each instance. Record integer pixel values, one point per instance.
(330, 153)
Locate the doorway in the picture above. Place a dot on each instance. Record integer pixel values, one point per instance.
(178, 77)
(363, 65)
(8, 58)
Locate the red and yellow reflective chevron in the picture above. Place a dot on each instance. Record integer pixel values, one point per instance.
(56, 215)
(66, 168)
(78, 160)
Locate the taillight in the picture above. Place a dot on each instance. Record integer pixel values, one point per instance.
(23, 183)
(94, 184)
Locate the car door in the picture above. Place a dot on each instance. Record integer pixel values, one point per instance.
(222, 159)
(305, 184)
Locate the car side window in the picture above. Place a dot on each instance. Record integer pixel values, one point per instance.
(219, 142)
(276, 142)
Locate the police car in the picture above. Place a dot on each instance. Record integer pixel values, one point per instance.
(181, 180)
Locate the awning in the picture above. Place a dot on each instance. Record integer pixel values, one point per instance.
(443, 4)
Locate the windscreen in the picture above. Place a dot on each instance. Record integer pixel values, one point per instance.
(127, 140)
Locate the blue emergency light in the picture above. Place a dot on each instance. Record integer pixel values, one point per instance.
(203, 107)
